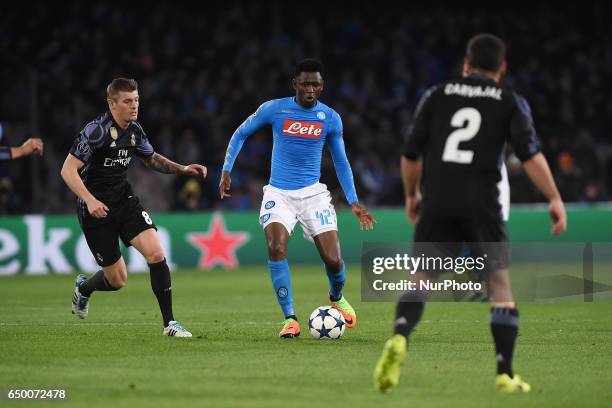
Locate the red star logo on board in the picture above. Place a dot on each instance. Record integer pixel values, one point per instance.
(218, 246)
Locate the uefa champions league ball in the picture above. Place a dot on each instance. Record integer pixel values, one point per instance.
(326, 323)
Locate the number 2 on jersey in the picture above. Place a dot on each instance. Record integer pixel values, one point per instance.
(451, 148)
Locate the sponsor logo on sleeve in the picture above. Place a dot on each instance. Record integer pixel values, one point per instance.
(82, 149)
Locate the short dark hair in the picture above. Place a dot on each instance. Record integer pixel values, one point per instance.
(486, 51)
(120, 85)
(308, 65)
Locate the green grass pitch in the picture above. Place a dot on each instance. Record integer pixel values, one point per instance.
(118, 358)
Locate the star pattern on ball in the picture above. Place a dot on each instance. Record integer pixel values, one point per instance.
(323, 313)
(324, 331)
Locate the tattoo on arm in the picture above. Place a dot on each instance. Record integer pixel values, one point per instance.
(160, 164)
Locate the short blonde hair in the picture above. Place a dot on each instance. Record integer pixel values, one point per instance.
(120, 85)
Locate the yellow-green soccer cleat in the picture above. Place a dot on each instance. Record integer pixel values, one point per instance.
(290, 330)
(387, 371)
(347, 311)
(506, 384)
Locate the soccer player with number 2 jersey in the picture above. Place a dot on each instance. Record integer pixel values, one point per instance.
(459, 135)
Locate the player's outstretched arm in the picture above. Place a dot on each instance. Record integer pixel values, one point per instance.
(70, 174)
(411, 177)
(29, 147)
(414, 147)
(538, 171)
(161, 164)
(253, 123)
(345, 177)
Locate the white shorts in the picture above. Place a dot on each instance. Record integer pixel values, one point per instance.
(310, 206)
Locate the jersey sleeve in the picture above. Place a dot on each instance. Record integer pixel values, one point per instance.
(341, 163)
(523, 137)
(261, 117)
(418, 133)
(5, 153)
(143, 146)
(90, 139)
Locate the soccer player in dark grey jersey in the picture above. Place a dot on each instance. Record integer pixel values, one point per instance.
(457, 144)
(95, 170)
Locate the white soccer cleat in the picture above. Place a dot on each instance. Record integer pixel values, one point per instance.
(175, 329)
(80, 303)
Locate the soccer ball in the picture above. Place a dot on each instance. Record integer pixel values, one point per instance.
(326, 323)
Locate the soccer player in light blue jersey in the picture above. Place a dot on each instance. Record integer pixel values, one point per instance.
(301, 126)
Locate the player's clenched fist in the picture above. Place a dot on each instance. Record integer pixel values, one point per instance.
(32, 146)
(97, 209)
(224, 185)
(29, 147)
(195, 169)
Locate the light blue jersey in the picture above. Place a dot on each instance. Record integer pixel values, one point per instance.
(299, 136)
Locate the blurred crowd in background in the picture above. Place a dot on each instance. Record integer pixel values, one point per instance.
(203, 71)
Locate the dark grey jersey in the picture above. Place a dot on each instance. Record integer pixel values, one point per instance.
(107, 151)
(460, 130)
